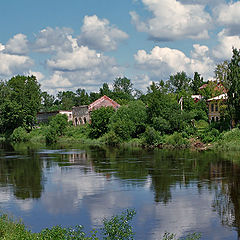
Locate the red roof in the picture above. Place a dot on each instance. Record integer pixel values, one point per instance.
(104, 101)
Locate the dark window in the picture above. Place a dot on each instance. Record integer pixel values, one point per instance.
(212, 107)
(216, 119)
(212, 119)
(216, 108)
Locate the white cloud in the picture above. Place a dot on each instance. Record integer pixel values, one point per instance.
(2, 47)
(52, 40)
(174, 20)
(99, 34)
(162, 62)
(228, 15)
(82, 67)
(223, 51)
(17, 45)
(14, 64)
(38, 75)
(80, 58)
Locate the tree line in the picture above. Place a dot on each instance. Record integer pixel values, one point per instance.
(165, 108)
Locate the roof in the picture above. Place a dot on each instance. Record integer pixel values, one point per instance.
(98, 102)
(222, 96)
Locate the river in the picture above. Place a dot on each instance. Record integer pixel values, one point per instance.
(172, 191)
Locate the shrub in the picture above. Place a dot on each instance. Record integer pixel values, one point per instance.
(111, 138)
(19, 135)
(151, 137)
(99, 121)
(176, 140)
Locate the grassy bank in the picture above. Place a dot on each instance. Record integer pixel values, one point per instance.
(116, 228)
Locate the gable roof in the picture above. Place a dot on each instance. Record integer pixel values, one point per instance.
(100, 103)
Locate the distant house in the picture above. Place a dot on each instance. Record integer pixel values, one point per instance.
(81, 114)
(104, 101)
(43, 117)
(214, 105)
(196, 98)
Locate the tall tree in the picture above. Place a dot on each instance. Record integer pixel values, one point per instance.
(47, 103)
(179, 82)
(196, 83)
(82, 97)
(221, 72)
(21, 104)
(233, 85)
(67, 99)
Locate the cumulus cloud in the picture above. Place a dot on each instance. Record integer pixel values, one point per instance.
(14, 64)
(162, 62)
(99, 34)
(174, 20)
(17, 45)
(53, 40)
(83, 67)
(223, 51)
(228, 15)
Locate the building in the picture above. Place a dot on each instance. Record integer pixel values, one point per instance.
(214, 105)
(43, 117)
(104, 101)
(81, 114)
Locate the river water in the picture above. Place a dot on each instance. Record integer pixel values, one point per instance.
(172, 191)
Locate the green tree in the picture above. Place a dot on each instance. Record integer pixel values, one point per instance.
(233, 85)
(129, 120)
(67, 99)
(47, 102)
(82, 97)
(105, 90)
(99, 121)
(179, 82)
(22, 99)
(221, 71)
(196, 83)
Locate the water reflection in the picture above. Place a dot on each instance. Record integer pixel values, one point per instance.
(176, 191)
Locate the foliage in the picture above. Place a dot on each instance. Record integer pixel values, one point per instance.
(233, 85)
(21, 102)
(151, 137)
(176, 140)
(118, 227)
(57, 126)
(129, 120)
(179, 82)
(196, 83)
(19, 135)
(111, 138)
(99, 121)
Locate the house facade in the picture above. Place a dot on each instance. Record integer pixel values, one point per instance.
(80, 115)
(214, 107)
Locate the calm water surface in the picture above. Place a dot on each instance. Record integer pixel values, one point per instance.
(174, 191)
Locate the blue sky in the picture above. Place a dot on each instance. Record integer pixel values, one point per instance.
(82, 44)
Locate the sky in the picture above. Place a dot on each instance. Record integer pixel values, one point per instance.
(71, 44)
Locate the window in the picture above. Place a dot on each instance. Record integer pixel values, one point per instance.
(212, 107)
(212, 120)
(216, 119)
(216, 107)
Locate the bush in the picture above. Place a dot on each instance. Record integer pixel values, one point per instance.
(176, 140)
(19, 135)
(151, 137)
(111, 138)
(99, 121)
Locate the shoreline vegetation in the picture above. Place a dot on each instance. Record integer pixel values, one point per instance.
(117, 227)
(171, 114)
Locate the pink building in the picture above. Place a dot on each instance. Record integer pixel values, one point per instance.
(104, 101)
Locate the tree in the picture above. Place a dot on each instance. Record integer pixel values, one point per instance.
(22, 99)
(179, 82)
(82, 97)
(105, 90)
(233, 85)
(221, 71)
(99, 121)
(196, 83)
(47, 102)
(67, 99)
